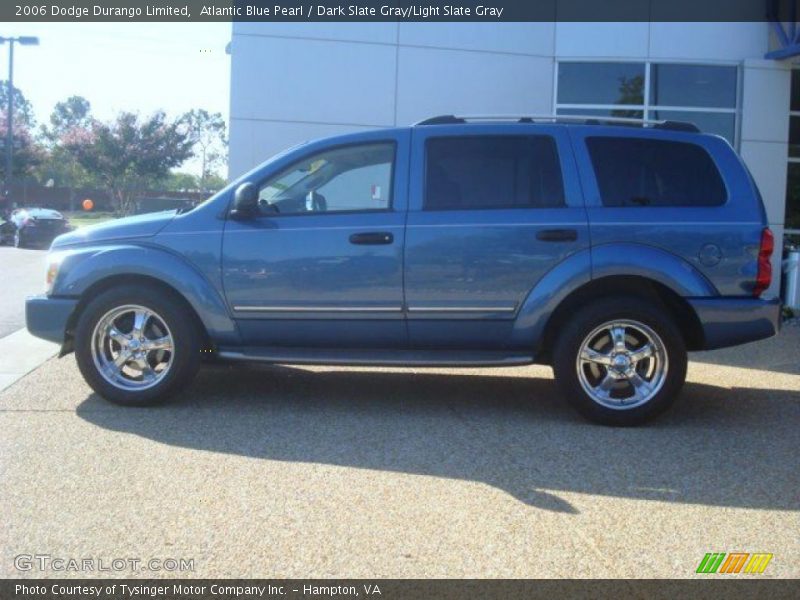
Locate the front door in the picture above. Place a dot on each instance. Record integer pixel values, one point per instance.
(495, 209)
(321, 264)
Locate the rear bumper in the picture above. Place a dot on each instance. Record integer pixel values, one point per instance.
(33, 235)
(47, 317)
(733, 321)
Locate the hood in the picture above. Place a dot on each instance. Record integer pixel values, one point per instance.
(117, 229)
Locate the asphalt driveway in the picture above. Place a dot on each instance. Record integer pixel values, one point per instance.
(297, 472)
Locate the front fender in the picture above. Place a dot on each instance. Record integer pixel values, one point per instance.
(83, 267)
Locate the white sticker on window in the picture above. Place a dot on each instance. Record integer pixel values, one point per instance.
(376, 192)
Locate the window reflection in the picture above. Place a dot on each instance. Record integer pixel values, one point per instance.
(793, 197)
(625, 113)
(723, 124)
(601, 83)
(795, 106)
(702, 94)
(794, 136)
(692, 85)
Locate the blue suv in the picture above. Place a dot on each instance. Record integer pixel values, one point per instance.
(605, 248)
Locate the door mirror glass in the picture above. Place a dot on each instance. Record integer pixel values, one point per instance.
(245, 201)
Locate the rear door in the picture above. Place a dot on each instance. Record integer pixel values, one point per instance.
(493, 209)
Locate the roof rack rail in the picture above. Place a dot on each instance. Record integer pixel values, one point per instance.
(578, 119)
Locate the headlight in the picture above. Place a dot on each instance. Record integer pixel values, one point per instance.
(53, 265)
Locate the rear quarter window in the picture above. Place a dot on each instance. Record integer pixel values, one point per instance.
(641, 172)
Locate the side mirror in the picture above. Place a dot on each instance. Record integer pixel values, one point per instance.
(245, 202)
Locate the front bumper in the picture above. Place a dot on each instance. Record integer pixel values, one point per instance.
(47, 317)
(733, 321)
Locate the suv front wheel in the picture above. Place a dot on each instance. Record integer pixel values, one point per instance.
(136, 345)
(620, 361)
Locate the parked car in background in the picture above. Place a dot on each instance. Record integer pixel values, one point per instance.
(605, 248)
(28, 227)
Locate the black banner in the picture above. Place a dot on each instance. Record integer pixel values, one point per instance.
(398, 10)
(714, 586)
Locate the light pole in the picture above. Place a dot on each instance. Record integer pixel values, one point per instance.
(25, 41)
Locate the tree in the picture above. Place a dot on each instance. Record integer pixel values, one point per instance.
(23, 109)
(631, 91)
(26, 153)
(70, 122)
(214, 183)
(130, 155)
(72, 113)
(208, 135)
(179, 181)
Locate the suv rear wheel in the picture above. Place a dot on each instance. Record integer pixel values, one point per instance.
(135, 345)
(620, 361)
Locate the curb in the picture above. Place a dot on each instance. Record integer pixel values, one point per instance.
(21, 353)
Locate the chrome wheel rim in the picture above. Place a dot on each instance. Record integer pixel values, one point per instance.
(622, 364)
(132, 347)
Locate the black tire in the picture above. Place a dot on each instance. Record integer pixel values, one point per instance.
(186, 337)
(585, 321)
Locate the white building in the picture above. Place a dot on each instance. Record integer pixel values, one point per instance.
(296, 81)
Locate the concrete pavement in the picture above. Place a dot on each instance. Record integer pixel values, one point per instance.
(20, 352)
(298, 472)
(23, 275)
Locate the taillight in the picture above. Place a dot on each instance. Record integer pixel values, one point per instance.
(764, 274)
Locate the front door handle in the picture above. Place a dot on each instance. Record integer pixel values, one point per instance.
(557, 235)
(372, 238)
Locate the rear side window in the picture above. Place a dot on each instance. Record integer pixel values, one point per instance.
(648, 172)
(475, 172)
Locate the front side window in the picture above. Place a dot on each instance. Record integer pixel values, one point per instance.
(350, 178)
(475, 172)
(648, 172)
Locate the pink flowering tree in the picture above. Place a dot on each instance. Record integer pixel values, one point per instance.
(130, 154)
(70, 126)
(27, 155)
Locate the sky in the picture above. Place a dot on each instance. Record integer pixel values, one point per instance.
(139, 67)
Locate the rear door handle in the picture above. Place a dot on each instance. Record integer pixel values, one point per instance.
(557, 235)
(372, 238)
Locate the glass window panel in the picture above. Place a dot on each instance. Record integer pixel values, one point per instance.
(723, 124)
(627, 113)
(492, 172)
(693, 85)
(600, 83)
(793, 197)
(342, 179)
(796, 90)
(794, 137)
(654, 173)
